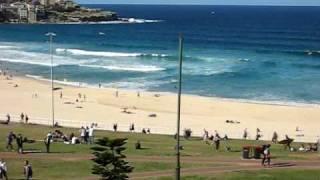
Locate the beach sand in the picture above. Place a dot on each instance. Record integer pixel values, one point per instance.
(103, 107)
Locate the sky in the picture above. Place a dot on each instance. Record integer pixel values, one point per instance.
(208, 2)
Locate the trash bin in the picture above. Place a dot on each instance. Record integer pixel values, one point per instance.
(257, 152)
(245, 152)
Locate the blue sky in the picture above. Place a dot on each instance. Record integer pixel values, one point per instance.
(207, 2)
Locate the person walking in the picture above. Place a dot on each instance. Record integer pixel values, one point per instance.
(82, 134)
(245, 133)
(3, 170)
(115, 127)
(86, 135)
(217, 140)
(288, 142)
(21, 117)
(91, 134)
(27, 119)
(275, 137)
(131, 128)
(266, 155)
(10, 139)
(8, 119)
(47, 141)
(28, 173)
(19, 140)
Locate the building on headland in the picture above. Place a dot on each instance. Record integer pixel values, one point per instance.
(32, 14)
(50, 11)
(69, 4)
(22, 9)
(48, 3)
(23, 14)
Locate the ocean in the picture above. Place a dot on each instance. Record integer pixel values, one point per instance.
(251, 53)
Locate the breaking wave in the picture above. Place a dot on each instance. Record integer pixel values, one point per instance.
(80, 52)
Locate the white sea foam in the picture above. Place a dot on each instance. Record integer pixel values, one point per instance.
(97, 53)
(37, 58)
(139, 21)
(65, 82)
(7, 47)
(120, 21)
(81, 52)
(136, 68)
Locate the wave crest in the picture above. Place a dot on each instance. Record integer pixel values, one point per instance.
(80, 52)
(141, 68)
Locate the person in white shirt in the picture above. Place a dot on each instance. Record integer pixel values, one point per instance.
(47, 141)
(91, 135)
(74, 140)
(82, 134)
(3, 170)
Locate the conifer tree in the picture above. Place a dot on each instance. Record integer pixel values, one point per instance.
(109, 160)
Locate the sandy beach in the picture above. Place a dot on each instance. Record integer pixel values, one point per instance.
(103, 107)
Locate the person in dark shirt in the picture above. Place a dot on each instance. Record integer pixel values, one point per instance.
(10, 139)
(19, 140)
(47, 141)
(27, 169)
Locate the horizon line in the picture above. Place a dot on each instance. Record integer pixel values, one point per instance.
(273, 5)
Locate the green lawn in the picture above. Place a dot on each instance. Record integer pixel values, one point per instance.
(158, 154)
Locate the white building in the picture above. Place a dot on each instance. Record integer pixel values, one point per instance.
(47, 3)
(32, 14)
(23, 14)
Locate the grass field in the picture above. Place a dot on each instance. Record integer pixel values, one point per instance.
(157, 158)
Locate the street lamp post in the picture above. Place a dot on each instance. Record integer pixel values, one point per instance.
(51, 35)
(179, 107)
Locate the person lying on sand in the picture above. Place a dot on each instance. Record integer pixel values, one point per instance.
(125, 110)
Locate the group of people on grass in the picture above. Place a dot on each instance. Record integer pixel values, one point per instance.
(19, 141)
(87, 135)
(24, 118)
(27, 170)
(214, 139)
(132, 128)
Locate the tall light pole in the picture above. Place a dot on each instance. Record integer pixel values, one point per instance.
(179, 107)
(51, 35)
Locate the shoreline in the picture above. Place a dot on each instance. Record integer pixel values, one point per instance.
(119, 21)
(248, 101)
(104, 108)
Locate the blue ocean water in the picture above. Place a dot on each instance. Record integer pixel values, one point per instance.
(269, 54)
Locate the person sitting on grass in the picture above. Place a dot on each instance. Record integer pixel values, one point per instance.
(144, 131)
(27, 169)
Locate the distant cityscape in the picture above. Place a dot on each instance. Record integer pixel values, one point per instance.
(50, 11)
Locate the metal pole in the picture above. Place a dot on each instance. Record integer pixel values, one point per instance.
(51, 35)
(179, 107)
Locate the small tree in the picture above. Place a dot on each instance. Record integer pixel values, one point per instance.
(109, 160)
